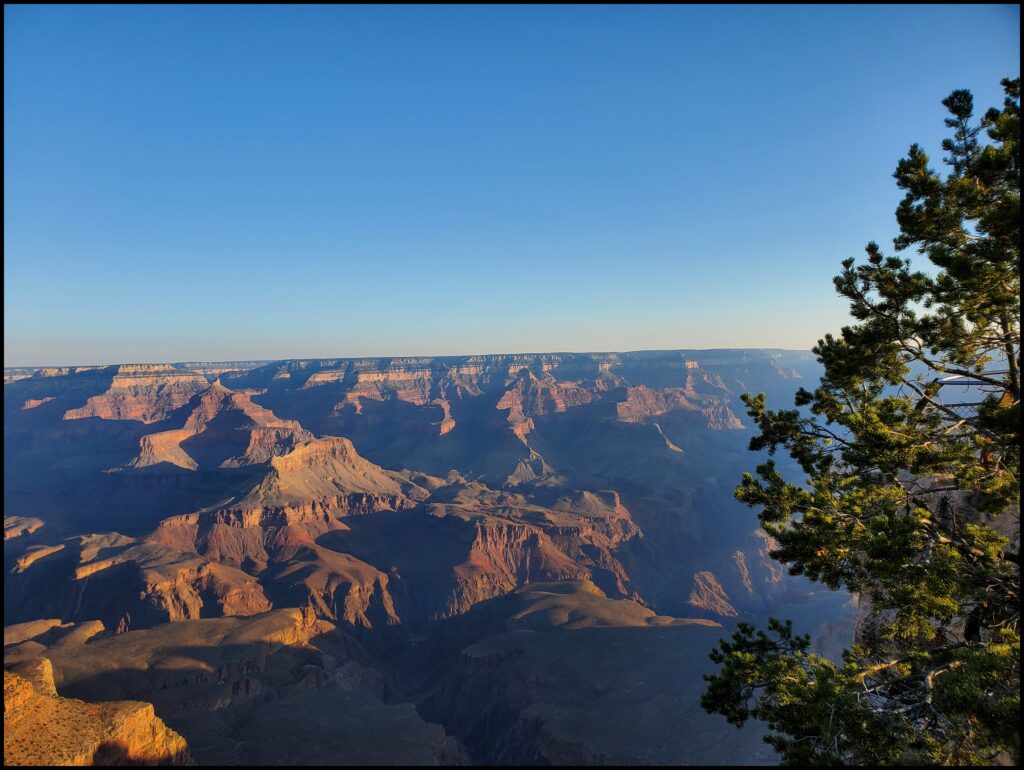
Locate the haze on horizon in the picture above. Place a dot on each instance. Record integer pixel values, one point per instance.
(212, 183)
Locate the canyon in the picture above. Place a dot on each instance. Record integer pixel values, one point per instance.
(503, 559)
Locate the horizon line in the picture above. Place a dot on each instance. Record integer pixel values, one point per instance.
(355, 358)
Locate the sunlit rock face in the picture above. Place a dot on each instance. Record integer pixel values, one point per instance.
(144, 392)
(41, 728)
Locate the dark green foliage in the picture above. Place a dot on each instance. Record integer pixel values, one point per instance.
(906, 486)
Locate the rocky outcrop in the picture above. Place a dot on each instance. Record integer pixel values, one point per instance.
(326, 477)
(226, 655)
(272, 531)
(144, 392)
(25, 642)
(302, 496)
(41, 728)
(33, 554)
(513, 542)
(337, 586)
(745, 581)
(38, 672)
(127, 583)
(225, 429)
(708, 595)
(21, 632)
(721, 417)
(279, 548)
(503, 556)
(32, 403)
(447, 423)
(16, 526)
(530, 396)
(642, 402)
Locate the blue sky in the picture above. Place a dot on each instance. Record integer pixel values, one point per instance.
(204, 183)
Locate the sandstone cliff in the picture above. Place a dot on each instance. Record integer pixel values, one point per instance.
(747, 580)
(41, 728)
(144, 392)
(272, 531)
(225, 429)
(126, 583)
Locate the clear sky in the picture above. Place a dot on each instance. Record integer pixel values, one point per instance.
(210, 183)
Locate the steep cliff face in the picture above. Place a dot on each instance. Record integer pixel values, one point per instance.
(511, 541)
(503, 556)
(530, 396)
(720, 417)
(126, 583)
(337, 586)
(272, 531)
(302, 495)
(402, 382)
(41, 728)
(709, 596)
(640, 403)
(144, 392)
(324, 479)
(531, 386)
(415, 379)
(16, 526)
(225, 429)
(747, 581)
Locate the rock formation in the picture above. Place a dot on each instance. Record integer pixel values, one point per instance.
(126, 583)
(16, 526)
(41, 728)
(144, 392)
(303, 560)
(225, 429)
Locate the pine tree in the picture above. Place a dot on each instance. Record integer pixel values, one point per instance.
(910, 446)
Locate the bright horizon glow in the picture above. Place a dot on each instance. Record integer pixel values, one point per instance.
(276, 182)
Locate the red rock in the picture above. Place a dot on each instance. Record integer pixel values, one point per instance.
(222, 420)
(144, 392)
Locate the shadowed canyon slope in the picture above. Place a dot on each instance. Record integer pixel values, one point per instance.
(415, 560)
